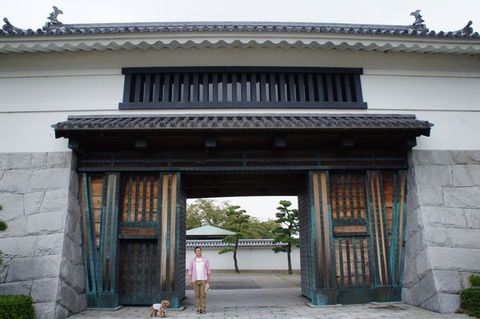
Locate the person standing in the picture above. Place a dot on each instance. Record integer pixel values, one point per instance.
(199, 272)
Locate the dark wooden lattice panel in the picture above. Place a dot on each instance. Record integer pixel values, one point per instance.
(139, 278)
(242, 86)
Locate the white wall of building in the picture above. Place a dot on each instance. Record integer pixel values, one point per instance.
(41, 89)
(249, 259)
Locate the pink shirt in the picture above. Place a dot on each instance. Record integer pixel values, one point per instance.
(192, 271)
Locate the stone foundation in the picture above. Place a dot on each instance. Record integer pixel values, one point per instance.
(443, 231)
(42, 254)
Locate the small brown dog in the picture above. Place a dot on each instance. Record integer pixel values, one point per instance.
(159, 309)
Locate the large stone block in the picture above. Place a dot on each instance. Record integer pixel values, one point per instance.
(70, 299)
(73, 274)
(473, 218)
(18, 247)
(466, 175)
(51, 244)
(59, 160)
(46, 223)
(464, 197)
(45, 310)
(436, 236)
(21, 269)
(16, 227)
(44, 290)
(464, 238)
(424, 157)
(39, 160)
(423, 264)
(466, 157)
(447, 281)
(51, 178)
(423, 290)
(443, 217)
(449, 303)
(3, 161)
(55, 200)
(433, 175)
(33, 202)
(61, 312)
(429, 195)
(19, 160)
(12, 206)
(458, 259)
(16, 181)
(72, 250)
(16, 288)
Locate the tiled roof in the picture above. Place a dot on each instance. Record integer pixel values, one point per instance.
(249, 121)
(208, 230)
(243, 243)
(283, 27)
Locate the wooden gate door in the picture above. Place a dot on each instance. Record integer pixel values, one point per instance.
(133, 232)
(152, 239)
(353, 225)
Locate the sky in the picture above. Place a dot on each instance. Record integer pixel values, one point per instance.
(439, 15)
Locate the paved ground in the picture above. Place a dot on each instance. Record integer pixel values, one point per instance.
(273, 296)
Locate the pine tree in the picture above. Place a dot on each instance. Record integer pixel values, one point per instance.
(287, 220)
(237, 221)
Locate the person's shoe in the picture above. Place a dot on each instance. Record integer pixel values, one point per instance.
(204, 311)
(199, 310)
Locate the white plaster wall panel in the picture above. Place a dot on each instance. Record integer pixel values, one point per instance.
(250, 259)
(57, 93)
(399, 92)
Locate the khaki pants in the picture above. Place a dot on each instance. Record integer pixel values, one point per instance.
(200, 294)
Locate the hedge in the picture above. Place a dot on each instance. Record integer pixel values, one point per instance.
(16, 307)
(470, 301)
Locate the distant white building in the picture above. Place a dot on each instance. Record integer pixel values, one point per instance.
(252, 254)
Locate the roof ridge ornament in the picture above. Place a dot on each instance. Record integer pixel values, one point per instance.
(467, 30)
(418, 24)
(8, 27)
(53, 19)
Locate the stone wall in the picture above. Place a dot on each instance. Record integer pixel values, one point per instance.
(443, 231)
(42, 254)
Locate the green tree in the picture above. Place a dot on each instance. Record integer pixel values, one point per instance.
(288, 228)
(3, 227)
(237, 221)
(257, 229)
(205, 211)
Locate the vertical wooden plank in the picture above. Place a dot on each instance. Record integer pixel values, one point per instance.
(272, 84)
(351, 196)
(348, 262)
(205, 84)
(342, 274)
(173, 228)
(186, 88)
(163, 254)
(301, 88)
(196, 88)
(144, 201)
(355, 261)
(215, 87)
(234, 88)
(344, 199)
(363, 261)
(166, 88)
(337, 198)
(263, 88)
(282, 88)
(127, 88)
(338, 85)
(319, 234)
(152, 195)
(359, 194)
(383, 225)
(147, 94)
(156, 91)
(291, 89)
(253, 87)
(348, 88)
(311, 92)
(159, 224)
(402, 212)
(328, 79)
(320, 85)
(243, 86)
(137, 198)
(138, 87)
(225, 87)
